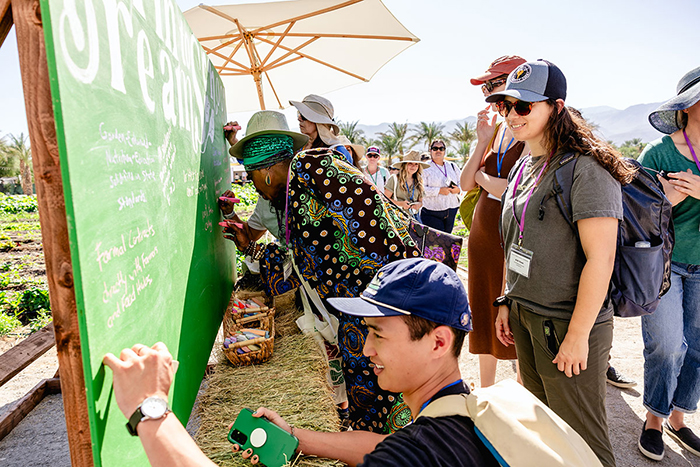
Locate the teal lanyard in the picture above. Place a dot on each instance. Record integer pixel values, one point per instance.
(413, 191)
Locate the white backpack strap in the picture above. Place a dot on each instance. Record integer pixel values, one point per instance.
(454, 404)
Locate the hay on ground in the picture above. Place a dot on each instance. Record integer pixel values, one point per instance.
(293, 383)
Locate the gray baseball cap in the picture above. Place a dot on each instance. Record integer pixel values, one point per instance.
(533, 82)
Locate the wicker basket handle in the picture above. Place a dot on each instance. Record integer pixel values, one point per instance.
(259, 340)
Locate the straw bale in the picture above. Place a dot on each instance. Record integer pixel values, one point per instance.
(286, 314)
(293, 383)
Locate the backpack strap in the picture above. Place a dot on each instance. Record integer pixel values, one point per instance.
(454, 404)
(563, 180)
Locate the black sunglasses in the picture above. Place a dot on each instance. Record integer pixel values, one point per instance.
(303, 119)
(372, 155)
(489, 86)
(437, 148)
(521, 108)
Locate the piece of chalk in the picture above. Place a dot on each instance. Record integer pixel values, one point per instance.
(175, 365)
(223, 224)
(231, 127)
(233, 200)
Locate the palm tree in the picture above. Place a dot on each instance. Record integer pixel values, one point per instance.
(9, 166)
(464, 133)
(18, 149)
(389, 145)
(395, 139)
(463, 150)
(351, 132)
(427, 132)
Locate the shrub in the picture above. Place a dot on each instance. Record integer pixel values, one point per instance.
(8, 324)
(31, 304)
(14, 204)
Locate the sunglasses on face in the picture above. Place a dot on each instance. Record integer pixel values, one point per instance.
(489, 86)
(521, 108)
(372, 155)
(301, 117)
(437, 148)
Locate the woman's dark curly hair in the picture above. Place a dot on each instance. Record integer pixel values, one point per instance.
(567, 131)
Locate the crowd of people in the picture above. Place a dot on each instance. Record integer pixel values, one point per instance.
(538, 289)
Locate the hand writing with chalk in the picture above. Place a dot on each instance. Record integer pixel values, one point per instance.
(238, 232)
(230, 130)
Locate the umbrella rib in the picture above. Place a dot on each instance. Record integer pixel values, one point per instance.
(279, 65)
(224, 57)
(223, 44)
(314, 59)
(272, 65)
(279, 41)
(230, 57)
(345, 36)
(273, 90)
(308, 15)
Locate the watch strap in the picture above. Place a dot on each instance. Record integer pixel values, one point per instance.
(502, 300)
(134, 421)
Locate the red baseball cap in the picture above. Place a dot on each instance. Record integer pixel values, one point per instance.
(501, 66)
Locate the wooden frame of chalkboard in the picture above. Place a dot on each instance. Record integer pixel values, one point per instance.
(182, 287)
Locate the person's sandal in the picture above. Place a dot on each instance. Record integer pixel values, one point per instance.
(685, 437)
(651, 443)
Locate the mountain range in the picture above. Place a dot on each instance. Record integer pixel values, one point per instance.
(613, 124)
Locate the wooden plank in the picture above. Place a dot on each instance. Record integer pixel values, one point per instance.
(27, 403)
(5, 19)
(20, 356)
(54, 228)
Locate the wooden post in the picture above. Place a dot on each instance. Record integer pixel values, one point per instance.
(54, 228)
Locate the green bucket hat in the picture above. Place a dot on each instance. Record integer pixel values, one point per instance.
(267, 122)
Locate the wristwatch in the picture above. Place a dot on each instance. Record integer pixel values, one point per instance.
(152, 408)
(502, 300)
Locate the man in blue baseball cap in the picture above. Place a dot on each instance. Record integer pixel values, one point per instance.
(418, 316)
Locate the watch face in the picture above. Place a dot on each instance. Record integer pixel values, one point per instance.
(154, 407)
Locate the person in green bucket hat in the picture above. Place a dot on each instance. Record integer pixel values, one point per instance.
(335, 233)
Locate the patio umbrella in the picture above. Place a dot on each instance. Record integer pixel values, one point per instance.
(269, 53)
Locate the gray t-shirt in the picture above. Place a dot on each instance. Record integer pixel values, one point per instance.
(264, 218)
(557, 259)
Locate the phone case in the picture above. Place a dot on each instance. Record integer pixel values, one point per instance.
(262, 440)
(550, 334)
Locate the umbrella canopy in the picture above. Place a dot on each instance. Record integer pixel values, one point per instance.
(295, 48)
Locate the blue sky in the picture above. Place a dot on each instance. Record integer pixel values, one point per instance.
(615, 53)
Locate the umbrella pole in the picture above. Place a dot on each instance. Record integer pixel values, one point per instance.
(258, 85)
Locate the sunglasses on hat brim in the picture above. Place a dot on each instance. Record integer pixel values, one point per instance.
(489, 86)
(521, 108)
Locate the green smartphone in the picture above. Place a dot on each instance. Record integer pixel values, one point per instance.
(262, 441)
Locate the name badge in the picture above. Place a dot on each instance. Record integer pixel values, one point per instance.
(519, 260)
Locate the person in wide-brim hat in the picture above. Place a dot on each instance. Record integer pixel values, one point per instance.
(267, 122)
(406, 187)
(411, 156)
(316, 120)
(668, 118)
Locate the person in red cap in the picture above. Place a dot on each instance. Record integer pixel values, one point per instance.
(495, 154)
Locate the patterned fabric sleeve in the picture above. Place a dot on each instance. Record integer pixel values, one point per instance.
(343, 231)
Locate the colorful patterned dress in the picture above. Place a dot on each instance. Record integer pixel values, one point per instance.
(341, 234)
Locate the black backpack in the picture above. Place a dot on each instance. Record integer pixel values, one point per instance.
(641, 275)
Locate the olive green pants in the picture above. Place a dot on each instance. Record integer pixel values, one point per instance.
(579, 400)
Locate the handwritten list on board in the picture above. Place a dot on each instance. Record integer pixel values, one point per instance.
(139, 111)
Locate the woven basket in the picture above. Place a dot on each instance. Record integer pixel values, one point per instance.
(235, 321)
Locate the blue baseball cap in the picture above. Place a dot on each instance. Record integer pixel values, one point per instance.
(533, 82)
(416, 286)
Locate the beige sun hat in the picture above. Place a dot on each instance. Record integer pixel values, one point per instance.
(267, 122)
(317, 109)
(411, 156)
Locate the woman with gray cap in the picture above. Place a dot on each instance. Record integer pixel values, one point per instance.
(315, 115)
(672, 333)
(555, 308)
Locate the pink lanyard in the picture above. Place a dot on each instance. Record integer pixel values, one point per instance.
(521, 223)
(692, 151)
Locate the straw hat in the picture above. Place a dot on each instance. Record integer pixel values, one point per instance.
(267, 122)
(359, 150)
(411, 156)
(664, 118)
(317, 109)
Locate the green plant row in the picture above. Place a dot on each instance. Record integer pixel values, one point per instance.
(14, 204)
(29, 307)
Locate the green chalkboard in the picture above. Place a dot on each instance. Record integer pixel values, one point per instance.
(139, 111)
